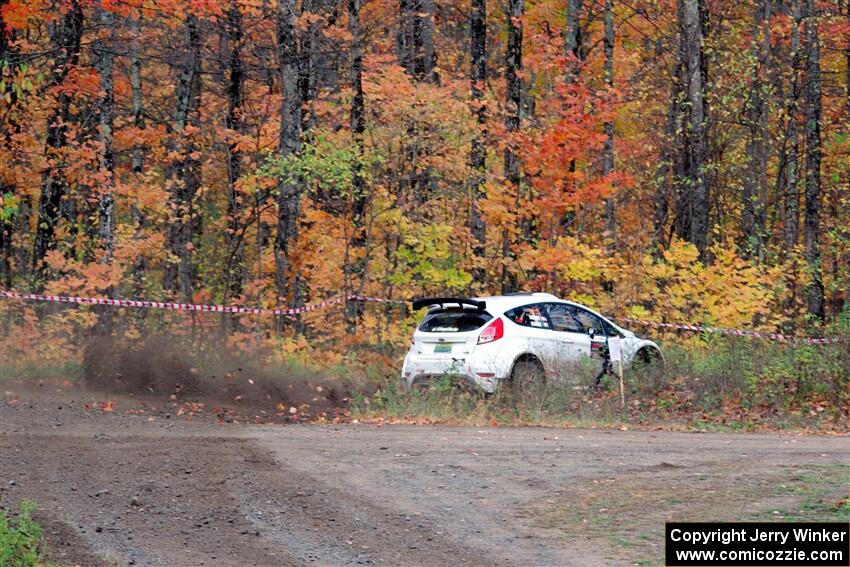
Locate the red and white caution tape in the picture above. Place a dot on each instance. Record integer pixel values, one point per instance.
(368, 299)
(734, 332)
(342, 299)
(172, 306)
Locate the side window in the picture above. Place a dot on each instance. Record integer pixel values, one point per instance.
(590, 321)
(609, 329)
(563, 318)
(529, 316)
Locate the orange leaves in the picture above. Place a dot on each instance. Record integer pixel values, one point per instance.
(16, 14)
(82, 279)
(306, 20)
(81, 81)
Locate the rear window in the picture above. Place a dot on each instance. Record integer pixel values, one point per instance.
(454, 321)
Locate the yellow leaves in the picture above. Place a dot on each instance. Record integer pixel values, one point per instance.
(638, 312)
(681, 254)
(572, 260)
(678, 288)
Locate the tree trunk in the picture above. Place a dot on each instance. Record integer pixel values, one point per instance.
(65, 37)
(608, 150)
(415, 40)
(308, 51)
(104, 62)
(693, 204)
(811, 228)
(407, 35)
(235, 97)
(356, 270)
(289, 200)
(9, 56)
(753, 217)
(478, 149)
(138, 156)
(788, 179)
(668, 169)
(137, 159)
(513, 116)
(103, 51)
(572, 35)
(429, 53)
(573, 52)
(183, 175)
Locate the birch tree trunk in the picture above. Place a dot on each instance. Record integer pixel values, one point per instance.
(138, 156)
(693, 203)
(103, 50)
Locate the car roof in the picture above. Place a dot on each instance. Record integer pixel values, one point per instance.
(502, 303)
(498, 304)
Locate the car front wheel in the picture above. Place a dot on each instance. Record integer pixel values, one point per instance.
(648, 365)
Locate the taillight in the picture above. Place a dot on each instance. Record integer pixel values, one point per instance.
(493, 332)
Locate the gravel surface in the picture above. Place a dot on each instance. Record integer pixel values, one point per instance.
(119, 489)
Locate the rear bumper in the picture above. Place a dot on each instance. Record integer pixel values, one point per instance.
(482, 368)
(463, 381)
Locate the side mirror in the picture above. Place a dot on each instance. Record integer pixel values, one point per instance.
(591, 331)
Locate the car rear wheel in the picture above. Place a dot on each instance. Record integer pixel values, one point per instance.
(527, 379)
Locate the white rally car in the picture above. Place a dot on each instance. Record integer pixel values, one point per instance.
(528, 337)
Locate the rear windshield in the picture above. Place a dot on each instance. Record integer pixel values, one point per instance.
(454, 321)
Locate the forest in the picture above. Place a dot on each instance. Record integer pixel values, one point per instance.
(681, 161)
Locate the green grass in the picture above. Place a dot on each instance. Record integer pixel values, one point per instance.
(20, 538)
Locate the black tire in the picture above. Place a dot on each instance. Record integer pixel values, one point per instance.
(527, 379)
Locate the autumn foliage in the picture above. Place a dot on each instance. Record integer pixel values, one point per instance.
(154, 150)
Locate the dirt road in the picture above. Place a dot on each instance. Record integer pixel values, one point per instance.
(119, 489)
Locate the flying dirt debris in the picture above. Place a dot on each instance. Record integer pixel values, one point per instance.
(164, 368)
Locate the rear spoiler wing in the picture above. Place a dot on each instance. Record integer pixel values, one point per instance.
(460, 301)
